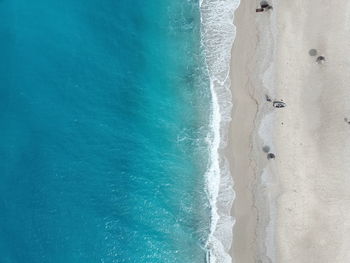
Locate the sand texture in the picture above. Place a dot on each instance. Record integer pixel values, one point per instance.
(295, 207)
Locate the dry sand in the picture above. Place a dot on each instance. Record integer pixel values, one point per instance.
(295, 208)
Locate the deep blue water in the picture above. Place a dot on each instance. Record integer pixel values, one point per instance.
(104, 110)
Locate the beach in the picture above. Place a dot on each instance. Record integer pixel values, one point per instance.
(294, 207)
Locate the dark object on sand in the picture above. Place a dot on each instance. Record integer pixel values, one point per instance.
(312, 52)
(279, 104)
(267, 98)
(264, 4)
(266, 148)
(347, 120)
(320, 59)
(270, 156)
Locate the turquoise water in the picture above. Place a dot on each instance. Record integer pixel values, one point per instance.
(104, 111)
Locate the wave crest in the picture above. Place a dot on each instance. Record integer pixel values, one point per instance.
(218, 33)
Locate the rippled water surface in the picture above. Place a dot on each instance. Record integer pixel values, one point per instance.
(104, 114)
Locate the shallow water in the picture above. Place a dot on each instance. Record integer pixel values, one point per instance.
(104, 114)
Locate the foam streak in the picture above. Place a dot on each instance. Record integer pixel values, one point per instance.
(218, 33)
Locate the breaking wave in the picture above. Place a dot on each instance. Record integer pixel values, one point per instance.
(217, 35)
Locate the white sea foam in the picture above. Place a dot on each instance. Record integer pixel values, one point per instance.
(218, 33)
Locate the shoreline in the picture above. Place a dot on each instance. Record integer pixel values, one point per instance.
(218, 34)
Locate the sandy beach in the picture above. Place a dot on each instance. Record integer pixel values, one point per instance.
(294, 207)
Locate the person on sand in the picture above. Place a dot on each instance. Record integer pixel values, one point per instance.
(264, 5)
(320, 59)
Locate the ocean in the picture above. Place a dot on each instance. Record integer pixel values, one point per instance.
(105, 132)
